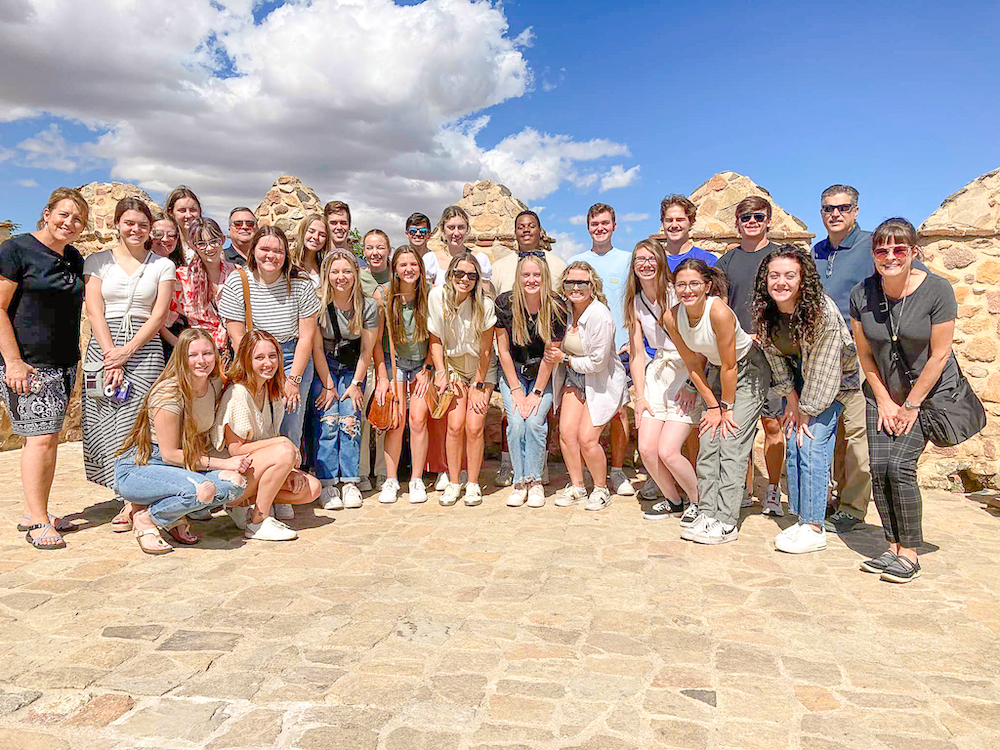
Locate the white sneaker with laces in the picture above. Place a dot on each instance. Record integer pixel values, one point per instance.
(269, 530)
(330, 499)
(788, 533)
(517, 496)
(473, 494)
(536, 496)
(772, 502)
(620, 483)
(696, 526)
(450, 495)
(389, 493)
(716, 532)
(442, 482)
(418, 493)
(283, 511)
(689, 516)
(806, 540)
(570, 495)
(600, 498)
(352, 496)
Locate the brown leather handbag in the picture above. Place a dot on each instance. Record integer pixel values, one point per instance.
(387, 415)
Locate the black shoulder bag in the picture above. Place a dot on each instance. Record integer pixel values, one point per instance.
(346, 351)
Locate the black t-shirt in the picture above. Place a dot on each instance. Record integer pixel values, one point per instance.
(930, 303)
(232, 255)
(46, 307)
(526, 358)
(740, 268)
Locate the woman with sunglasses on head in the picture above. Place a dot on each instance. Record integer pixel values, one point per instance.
(41, 301)
(704, 327)
(593, 384)
(349, 324)
(129, 289)
(283, 303)
(903, 320)
(166, 467)
(454, 227)
(664, 407)
(529, 318)
(814, 368)
(311, 245)
(460, 320)
(184, 207)
(248, 423)
(165, 238)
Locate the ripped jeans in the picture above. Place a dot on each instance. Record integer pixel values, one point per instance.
(336, 431)
(171, 492)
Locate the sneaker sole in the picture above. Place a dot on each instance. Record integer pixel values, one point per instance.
(596, 509)
(713, 541)
(535, 505)
(799, 551)
(418, 502)
(889, 577)
(865, 567)
(773, 512)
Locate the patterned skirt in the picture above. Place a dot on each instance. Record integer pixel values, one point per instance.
(107, 421)
(42, 410)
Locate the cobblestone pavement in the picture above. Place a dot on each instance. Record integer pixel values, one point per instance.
(429, 628)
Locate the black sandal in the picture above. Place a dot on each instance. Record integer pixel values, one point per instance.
(61, 544)
(901, 570)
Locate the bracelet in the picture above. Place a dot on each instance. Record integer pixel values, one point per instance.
(516, 388)
(690, 386)
(331, 388)
(717, 406)
(642, 398)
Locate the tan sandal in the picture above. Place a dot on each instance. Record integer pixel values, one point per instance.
(123, 521)
(161, 549)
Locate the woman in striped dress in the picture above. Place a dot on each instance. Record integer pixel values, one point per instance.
(128, 293)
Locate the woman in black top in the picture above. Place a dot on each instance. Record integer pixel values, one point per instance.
(903, 320)
(41, 298)
(528, 319)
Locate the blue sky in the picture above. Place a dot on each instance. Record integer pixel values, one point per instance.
(902, 101)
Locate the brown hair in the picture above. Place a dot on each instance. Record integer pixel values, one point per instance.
(600, 208)
(685, 203)
(240, 370)
(177, 254)
(450, 213)
(417, 219)
(132, 204)
(288, 269)
(753, 203)
(477, 295)
(326, 288)
(381, 234)
(179, 192)
(198, 228)
(718, 285)
(394, 305)
(337, 207)
(66, 194)
(633, 286)
(896, 229)
(300, 243)
(549, 304)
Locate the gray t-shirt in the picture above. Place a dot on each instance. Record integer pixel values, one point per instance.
(740, 268)
(369, 322)
(931, 303)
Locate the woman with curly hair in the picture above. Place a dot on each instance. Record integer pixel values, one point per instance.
(814, 367)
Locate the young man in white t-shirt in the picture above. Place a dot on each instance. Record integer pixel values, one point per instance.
(612, 265)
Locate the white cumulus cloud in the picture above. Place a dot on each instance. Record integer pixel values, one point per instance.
(619, 177)
(27, 183)
(567, 245)
(632, 217)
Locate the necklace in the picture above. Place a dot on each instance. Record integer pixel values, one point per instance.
(894, 327)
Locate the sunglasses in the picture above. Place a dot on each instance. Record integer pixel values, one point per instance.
(531, 254)
(757, 216)
(843, 208)
(159, 234)
(243, 224)
(458, 275)
(418, 231)
(897, 251)
(576, 284)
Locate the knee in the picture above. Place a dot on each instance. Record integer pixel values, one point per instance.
(205, 492)
(350, 426)
(590, 442)
(474, 428)
(901, 470)
(329, 424)
(418, 420)
(286, 453)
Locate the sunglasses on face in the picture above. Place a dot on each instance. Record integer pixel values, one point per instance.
(843, 208)
(418, 231)
(458, 275)
(243, 224)
(897, 251)
(571, 284)
(757, 216)
(159, 234)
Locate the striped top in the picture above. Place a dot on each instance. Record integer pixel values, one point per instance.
(273, 309)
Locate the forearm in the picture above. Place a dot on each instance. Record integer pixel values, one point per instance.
(236, 330)
(167, 336)
(727, 378)
(303, 350)
(437, 353)
(544, 373)
(929, 377)
(637, 365)
(146, 332)
(319, 361)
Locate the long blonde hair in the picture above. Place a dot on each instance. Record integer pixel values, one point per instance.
(596, 285)
(477, 295)
(300, 241)
(394, 305)
(326, 289)
(177, 381)
(549, 304)
(634, 286)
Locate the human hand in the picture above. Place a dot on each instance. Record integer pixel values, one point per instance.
(554, 355)
(685, 400)
(292, 398)
(18, 376)
(117, 357)
(421, 383)
(528, 405)
(356, 396)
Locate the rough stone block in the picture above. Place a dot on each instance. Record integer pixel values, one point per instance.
(12, 701)
(102, 710)
(200, 640)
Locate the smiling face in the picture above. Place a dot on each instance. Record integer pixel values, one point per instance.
(528, 233)
(64, 222)
(690, 287)
(418, 234)
(376, 252)
(201, 358)
(342, 276)
(185, 211)
(531, 277)
(753, 224)
(209, 248)
(839, 213)
(265, 360)
(133, 227)
(455, 231)
(784, 278)
(676, 224)
(242, 225)
(408, 268)
(315, 237)
(893, 259)
(578, 286)
(601, 227)
(340, 227)
(464, 276)
(270, 255)
(644, 264)
(163, 237)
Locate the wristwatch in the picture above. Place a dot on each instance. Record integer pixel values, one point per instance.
(297, 379)
(358, 383)
(480, 386)
(726, 406)
(428, 367)
(910, 405)
(536, 392)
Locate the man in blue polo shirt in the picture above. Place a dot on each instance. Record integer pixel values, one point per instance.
(843, 260)
(612, 265)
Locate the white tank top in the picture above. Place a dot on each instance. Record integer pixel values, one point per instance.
(573, 343)
(648, 313)
(701, 339)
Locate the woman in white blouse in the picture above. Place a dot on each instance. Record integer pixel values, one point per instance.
(460, 321)
(454, 228)
(129, 289)
(593, 387)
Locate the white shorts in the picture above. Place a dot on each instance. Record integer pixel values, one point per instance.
(665, 376)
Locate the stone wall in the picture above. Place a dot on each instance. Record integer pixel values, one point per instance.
(287, 204)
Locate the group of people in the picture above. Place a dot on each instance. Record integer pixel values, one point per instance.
(239, 376)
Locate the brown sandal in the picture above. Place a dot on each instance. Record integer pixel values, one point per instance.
(182, 533)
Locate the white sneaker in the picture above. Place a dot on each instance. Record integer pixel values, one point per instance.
(283, 512)
(517, 496)
(450, 495)
(695, 527)
(772, 502)
(442, 482)
(689, 516)
(570, 495)
(807, 539)
(239, 515)
(748, 500)
(352, 496)
(329, 499)
(269, 530)
(620, 484)
(473, 494)
(365, 485)
(650, 490)
(716, 532)
(600, 498)
(390, 490)
(536, 496)
(418, 493)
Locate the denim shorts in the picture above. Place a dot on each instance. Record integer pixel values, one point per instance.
(576, 380)
(406, 370)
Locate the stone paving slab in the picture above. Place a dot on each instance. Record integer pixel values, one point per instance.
(490, 628)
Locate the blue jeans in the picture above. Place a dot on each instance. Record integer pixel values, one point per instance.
(337, 431)
(169, 492)
(808, 466)
(526, 438)
(291, 425)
